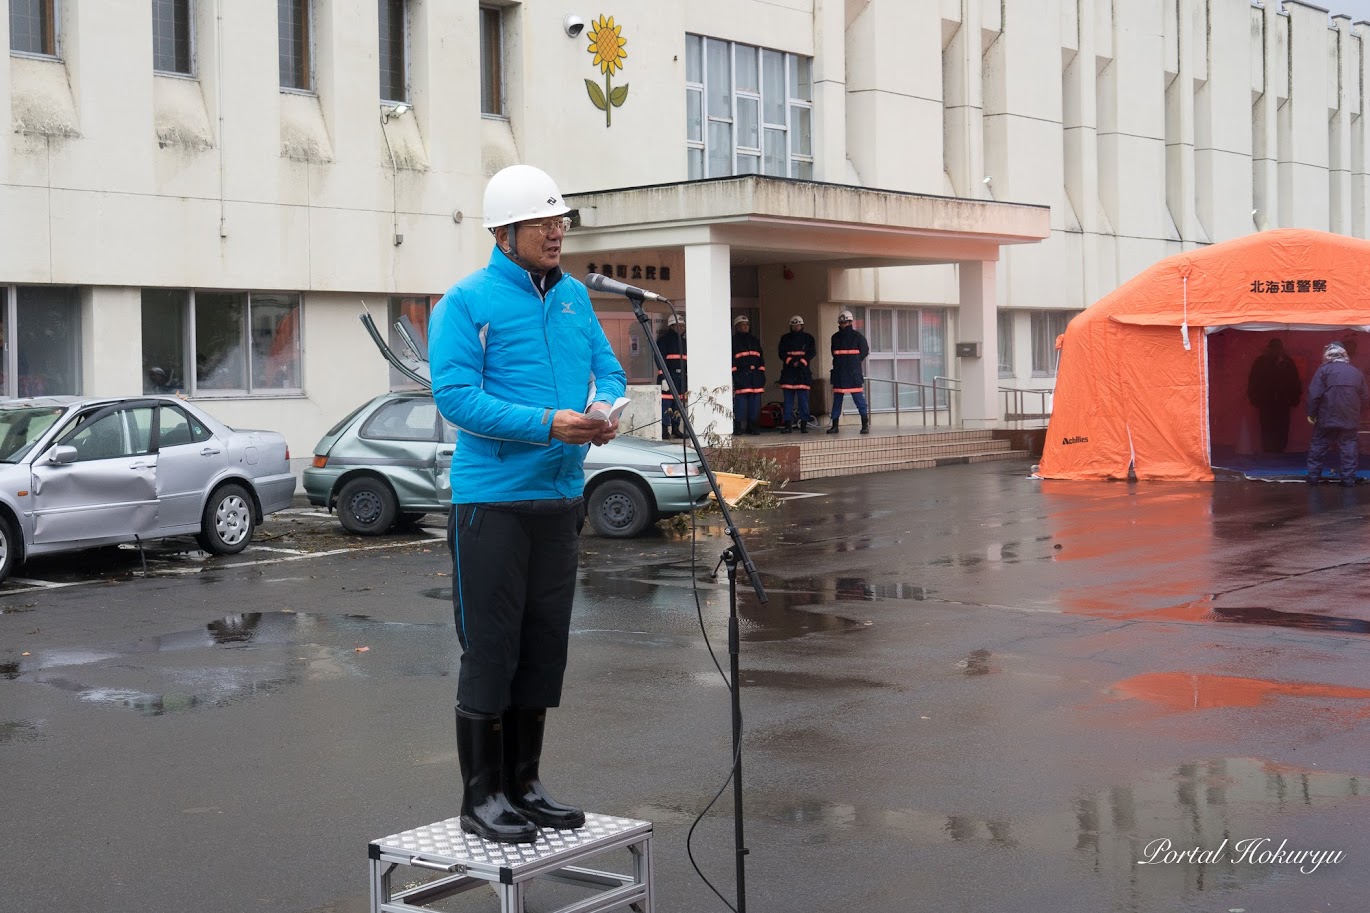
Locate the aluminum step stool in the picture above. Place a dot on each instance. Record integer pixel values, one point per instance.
(471, 861)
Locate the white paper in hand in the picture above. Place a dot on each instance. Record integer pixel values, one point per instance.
(607, 413)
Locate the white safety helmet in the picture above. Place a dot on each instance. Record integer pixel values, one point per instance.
(521, 192)
(742, 318)
(796, 321)
(675, 319)
(844, 314)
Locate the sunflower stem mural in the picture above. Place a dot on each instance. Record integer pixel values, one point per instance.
(606, 46)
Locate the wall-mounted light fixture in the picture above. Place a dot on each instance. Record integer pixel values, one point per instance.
(389, 113)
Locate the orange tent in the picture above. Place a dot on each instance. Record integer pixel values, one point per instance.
(1133, 385)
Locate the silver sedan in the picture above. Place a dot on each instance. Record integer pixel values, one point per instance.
(83, 472)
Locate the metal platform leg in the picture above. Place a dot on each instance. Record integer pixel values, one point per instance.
(642, 874)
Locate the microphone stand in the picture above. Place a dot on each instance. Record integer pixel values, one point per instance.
(732, 556)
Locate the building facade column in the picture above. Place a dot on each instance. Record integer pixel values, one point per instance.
(708, 294)
(111, 342)
(979, 321)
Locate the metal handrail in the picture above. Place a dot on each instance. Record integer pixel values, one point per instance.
(923, 400)
(1015, 404)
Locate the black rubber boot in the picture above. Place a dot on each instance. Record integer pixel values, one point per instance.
(803, 427)
(485, 810)
(833, 429)
(523, 728)
(788, 428)
(865, 424)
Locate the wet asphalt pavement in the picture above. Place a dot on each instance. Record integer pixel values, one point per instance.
(969, 691)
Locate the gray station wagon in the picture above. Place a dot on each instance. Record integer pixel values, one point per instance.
(389, 462)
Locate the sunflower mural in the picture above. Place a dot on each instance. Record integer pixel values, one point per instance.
(606, 46)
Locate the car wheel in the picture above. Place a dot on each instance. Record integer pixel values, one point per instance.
(9, 548)
(619, 509)
(366, 507)
(226, 525)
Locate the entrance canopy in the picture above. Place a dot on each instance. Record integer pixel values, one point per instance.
(756, 221)
(1133, 386)
(771, 220)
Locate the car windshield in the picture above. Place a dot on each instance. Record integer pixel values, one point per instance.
(21, 428)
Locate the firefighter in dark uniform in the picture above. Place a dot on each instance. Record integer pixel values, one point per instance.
(849, 350)
(749, 377)
(797, 352)
(671, 342)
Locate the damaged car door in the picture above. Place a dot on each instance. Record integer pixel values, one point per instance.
(97, 483)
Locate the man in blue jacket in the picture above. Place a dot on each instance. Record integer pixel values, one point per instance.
(1337, 396)
(516, 354)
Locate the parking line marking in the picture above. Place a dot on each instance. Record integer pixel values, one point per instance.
(44, 584)
(325, 554)
(272, 548)
(28, 582)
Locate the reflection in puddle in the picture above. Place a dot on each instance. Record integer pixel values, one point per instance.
(1255, 615)
(1195, 804)
(1200, 805)
(286, 648)
(800, 681)
(1184, 691)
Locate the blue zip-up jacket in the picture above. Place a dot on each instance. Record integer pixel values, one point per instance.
(504, 360)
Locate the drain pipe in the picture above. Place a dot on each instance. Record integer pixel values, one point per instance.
(219, 94)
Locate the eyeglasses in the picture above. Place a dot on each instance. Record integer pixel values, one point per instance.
(547, 226)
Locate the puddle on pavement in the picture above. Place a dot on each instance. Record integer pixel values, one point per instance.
(1199, 804)
(800, 681)
(790, 610)
(995, 553)
(246, 655)
(1259, 615)
(976, 663)
(19, 731)
(1179, 692)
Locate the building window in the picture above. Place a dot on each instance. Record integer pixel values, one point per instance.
(171, 37)
(220, 343)
(295, 42)
(908, 346)
(33, 27)
(1046, 326)
(417, 309)
(491, 61)
(748, 110)
(394, 37)
(1005, 343)
(40, 340)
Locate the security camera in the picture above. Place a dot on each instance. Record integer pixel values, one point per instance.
(573, 25)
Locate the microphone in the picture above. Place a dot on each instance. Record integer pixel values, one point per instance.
(602, 283)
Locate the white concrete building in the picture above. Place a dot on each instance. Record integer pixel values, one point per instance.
(212, 187)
